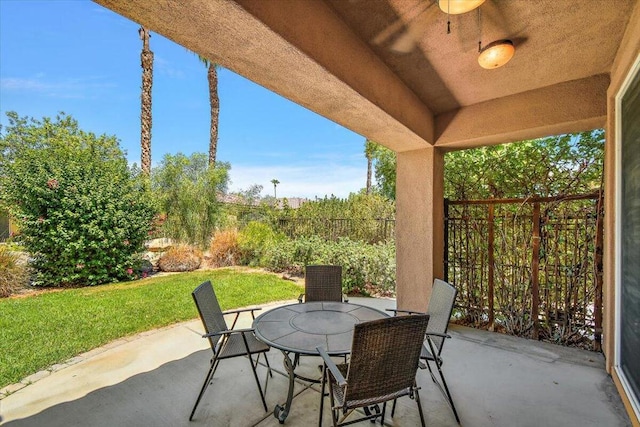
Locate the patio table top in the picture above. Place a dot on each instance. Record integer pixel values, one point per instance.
(300, 328)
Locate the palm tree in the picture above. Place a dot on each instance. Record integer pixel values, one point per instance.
(275, 183)
(369, 150)
(146, 60)
(214, 103)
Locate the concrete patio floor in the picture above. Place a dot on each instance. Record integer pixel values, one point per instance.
(153, 379)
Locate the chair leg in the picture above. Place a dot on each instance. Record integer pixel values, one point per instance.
(322, 391)
(393, 408)
(255, 375)
(419, 407)
(335, 413)
(207, 381)
(444, 387)
(266, 359)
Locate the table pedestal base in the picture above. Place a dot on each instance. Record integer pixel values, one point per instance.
(281, 412)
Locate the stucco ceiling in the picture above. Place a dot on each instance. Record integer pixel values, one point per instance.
(556, 41)
(388, 69)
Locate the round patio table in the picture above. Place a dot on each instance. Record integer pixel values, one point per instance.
(299, 328)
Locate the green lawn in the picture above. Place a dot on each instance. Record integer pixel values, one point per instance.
(42, 330)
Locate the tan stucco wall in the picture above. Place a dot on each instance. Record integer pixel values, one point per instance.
(307, 25)
(562, 108)
(625, 59)
(419, 225)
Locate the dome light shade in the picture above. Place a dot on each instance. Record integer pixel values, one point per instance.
(456, 7)
(496, 54)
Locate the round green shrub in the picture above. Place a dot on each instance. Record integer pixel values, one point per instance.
(368, 269)
(82, 212)
(254, 240)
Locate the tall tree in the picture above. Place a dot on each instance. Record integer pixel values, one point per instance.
(563, 164)
(275, 183)
(385, 169)
(146, 61)
(369, 151)
(187, 189)
(214, 104)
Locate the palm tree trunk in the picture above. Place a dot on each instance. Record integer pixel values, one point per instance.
(369, 165)
(369, 150)
(146, 60)
(215, 112)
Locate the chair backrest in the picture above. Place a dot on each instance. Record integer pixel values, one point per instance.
(210, 311)
(323, 283)
(384, 356)
(443, 296)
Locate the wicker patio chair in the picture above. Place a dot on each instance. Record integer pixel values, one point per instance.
(226, 342)
(443, 296)
(322, 283)
(385, 355)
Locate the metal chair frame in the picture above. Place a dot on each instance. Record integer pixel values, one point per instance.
(227, 342)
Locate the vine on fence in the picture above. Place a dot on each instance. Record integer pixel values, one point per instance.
(528, 267)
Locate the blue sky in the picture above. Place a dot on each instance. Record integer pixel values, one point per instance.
(83, 59)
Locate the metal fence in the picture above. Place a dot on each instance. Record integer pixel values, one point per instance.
(528, 267)
(368, 230)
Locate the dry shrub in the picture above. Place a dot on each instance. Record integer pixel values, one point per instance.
(13, 274)
(180, 258)
(225, 250)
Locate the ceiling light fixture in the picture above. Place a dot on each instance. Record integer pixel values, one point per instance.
(495, 54)
(456, 7)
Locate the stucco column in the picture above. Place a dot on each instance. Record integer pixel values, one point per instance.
(419, 225)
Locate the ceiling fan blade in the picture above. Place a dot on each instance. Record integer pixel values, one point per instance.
(404, 21)
(404, 43)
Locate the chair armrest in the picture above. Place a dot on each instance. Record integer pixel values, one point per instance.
(396, 311)
(228, 332)
(332, 367)
(241, 310)
(300, 298)
(436, 334)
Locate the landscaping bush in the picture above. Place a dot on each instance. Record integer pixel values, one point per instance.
(358, 217)
(13, 274)
(180, 258)
(255, 240)
(292, 255)
(224, 248)
(187, 189)
(366, 269)
(82, 213)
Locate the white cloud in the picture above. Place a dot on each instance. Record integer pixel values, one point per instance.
(22, 84)
(296, 181)
(165, 67)
(68, 88)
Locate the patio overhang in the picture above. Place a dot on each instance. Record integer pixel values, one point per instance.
(339, 59)
(388, 70)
